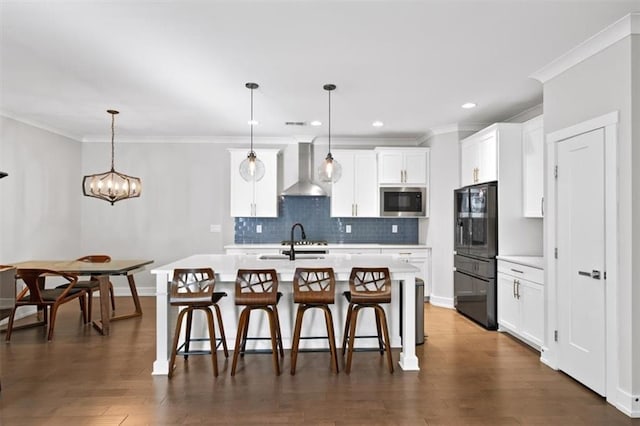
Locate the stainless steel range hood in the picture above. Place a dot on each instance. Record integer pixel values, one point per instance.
(305, 186)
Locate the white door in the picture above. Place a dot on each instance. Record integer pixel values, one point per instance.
(581, 258)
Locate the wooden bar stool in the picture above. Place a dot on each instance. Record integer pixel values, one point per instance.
(369, 287)
(258, 289)
(192, 289)
(314, 288)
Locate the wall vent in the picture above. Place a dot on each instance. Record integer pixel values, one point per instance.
(295, 123)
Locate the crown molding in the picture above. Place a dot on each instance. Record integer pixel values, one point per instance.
(453, 128)
(222, 140)
(627, 25)
(40, 126)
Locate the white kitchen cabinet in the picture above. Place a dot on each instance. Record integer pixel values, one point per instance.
(403, 166)
(521, 302)
(254, 199)
(532, 167)
(479, 157)
(355, 194)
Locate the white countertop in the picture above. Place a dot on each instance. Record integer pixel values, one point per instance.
(331, 246)
(226, 265)
(533, 261)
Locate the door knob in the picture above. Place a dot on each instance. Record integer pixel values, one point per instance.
(595, 274)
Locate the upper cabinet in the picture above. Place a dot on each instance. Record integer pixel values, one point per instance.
(532, 167)
(403, 166)
(254, 199)
(495, 154)
(356, 193)
(479, 157)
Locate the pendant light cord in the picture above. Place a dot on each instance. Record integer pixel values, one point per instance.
(113, 119)
(251, 120)
(329, 122)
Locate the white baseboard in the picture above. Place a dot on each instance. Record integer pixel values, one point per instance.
(443, 302)
(627, 403)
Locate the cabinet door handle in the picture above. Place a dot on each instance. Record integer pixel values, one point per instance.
(516, 270)
(513, 290)
(542, 206)
(518, 289)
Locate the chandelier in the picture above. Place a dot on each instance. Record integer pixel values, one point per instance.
(111, 186)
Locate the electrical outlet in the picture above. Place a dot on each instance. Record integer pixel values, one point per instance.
(347, 229)
(258, 229)
(215, 228)
(394, 229)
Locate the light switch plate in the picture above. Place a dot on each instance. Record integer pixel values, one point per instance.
(258, 229)
(394, 229)
(347, 229)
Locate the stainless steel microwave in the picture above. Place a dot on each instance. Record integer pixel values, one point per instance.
(403, 201)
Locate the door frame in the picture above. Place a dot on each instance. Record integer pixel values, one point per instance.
(550, 348)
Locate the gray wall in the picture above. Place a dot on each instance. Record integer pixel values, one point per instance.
(445, 177)
(599, 85)
(40, 199)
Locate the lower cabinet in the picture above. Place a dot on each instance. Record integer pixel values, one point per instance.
(521, 302)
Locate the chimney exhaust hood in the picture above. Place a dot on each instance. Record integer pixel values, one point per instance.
(304, 186)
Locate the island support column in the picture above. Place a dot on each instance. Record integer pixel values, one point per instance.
(163, 332)
(408, 358)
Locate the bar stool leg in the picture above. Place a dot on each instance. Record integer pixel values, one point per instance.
(277, 316)
(212, 340)
(385, 330)
(240, 337)
(347, 321)
(331, 336)
(223, 337)
(245, 333)
(379, 330)
(273, 325)
(176, 339)
(187, 339)
(296, 338)
(352, 335)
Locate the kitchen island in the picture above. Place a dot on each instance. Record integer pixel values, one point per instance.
(225, 268)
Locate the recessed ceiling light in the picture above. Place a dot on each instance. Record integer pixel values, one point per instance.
(316, 123)
(253, 122)
(469, 105)
(377, 123)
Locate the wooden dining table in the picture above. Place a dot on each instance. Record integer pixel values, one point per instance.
(102, 272)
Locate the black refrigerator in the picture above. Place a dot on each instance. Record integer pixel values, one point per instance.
(476, 247)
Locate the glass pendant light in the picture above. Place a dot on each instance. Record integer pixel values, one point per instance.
(251, 168)
(111, 186)
(330, 170)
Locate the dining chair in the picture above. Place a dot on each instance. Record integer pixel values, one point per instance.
(314, 288)
(257, 289)
(35, 294)
(192, 290)
(92, 284)
(368, 288)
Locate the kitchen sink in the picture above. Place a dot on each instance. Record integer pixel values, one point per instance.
(301, 256)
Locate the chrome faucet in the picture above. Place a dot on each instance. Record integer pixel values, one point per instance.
(292, 253)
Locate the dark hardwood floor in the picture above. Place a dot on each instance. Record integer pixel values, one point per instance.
(468, 376)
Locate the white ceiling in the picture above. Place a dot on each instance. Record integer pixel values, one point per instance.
(177, 69)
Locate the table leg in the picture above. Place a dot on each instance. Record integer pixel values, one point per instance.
(136, 301)
(103, 325)
(408, 358)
